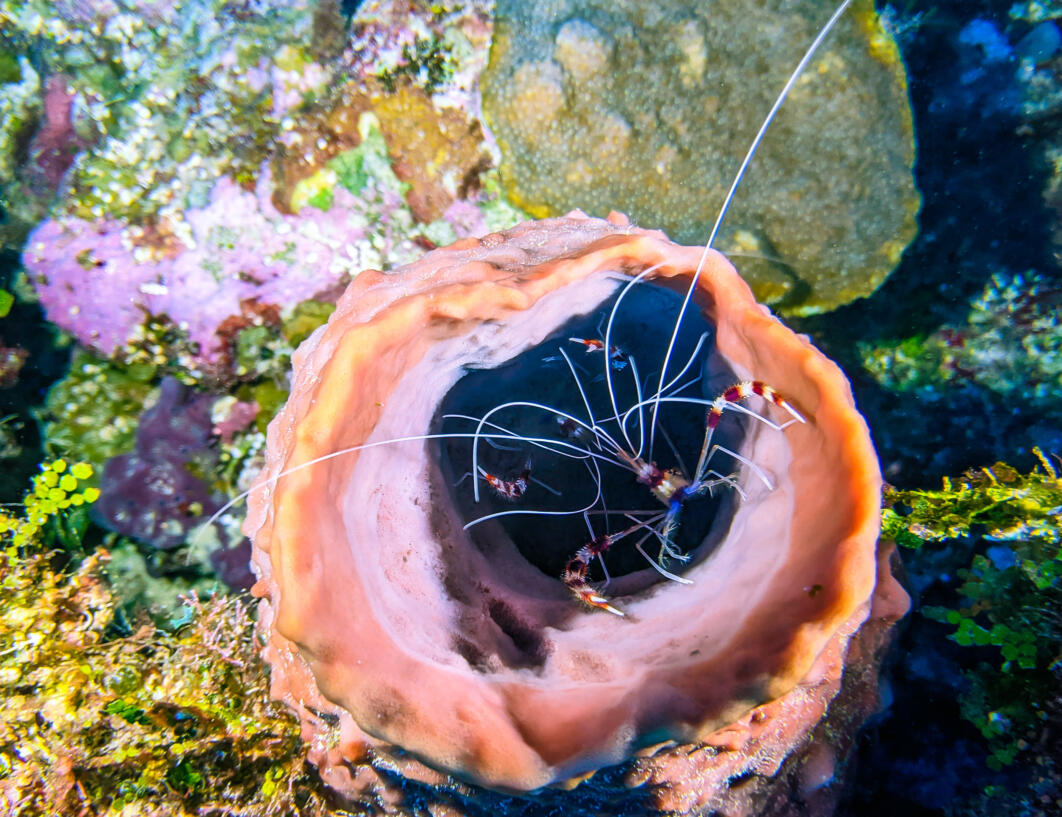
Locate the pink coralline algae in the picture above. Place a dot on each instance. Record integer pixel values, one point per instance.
(101, 280)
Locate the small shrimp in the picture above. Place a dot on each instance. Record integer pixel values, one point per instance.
(746, 388)
(569, 429)
(578, 567)
(574, 577)
(617, 358)
(511, 489)
(575, 572)
(672, 487)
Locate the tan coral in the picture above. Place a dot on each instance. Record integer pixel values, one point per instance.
(438, 153)
(381, 615)
(649, 107)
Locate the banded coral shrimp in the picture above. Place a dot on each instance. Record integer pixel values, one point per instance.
(664, 406)
(672, 486)
(614, 474)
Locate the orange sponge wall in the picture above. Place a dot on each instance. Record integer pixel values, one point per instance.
(375, 601)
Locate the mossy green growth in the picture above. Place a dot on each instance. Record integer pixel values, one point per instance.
(162, 723)
(155, 583)
(352, 169)
(263, 356)
(427, 62)
(92, 413)
(306, 317)
(262, 352)
(10, 70)
(1010, 594)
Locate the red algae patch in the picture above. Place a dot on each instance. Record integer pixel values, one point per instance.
(400, 640)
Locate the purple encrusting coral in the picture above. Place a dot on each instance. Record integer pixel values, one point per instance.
(237, 251)
(151, 496)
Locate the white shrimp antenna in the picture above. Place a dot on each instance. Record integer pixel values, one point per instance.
(560, 447)
(738, 177)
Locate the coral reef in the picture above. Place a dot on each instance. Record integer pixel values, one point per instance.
(153, 494)
(466, 614)
(160, 88)
(161, 469)
(91, 413)
(1039, 68)
(238, 260)
(223, 174)
(1010, 343)
(241, 258)
(648, 110)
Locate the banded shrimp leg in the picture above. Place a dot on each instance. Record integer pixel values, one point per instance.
(609, 449)
(576, 571)
(575, 576)
(619, 450)
(728, 399)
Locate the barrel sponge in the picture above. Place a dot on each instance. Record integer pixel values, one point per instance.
(649, 108)
(393, 633)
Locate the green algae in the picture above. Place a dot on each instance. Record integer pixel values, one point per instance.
(97, 719)
(1009, 595)
(648, 109)
(53, 511)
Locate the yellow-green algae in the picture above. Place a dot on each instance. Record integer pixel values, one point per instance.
(153, 722)
(1010, 594)
(648, 108)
